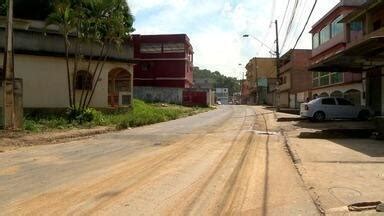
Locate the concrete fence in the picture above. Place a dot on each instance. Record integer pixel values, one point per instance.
(158, 94)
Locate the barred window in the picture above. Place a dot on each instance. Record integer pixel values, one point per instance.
(173, 48)
(150, 48)
(83, 80)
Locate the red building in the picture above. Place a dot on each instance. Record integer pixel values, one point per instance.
(329, 37)
(163, 61)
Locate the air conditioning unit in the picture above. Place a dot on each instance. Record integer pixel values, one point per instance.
(125, 99)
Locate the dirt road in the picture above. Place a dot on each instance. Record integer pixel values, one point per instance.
(230, 161)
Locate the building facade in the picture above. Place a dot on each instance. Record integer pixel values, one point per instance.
(222, 95)
(41, 65)
(261, 80)
(329, 37)
(163, 61)
(364, 51)
(295, 80)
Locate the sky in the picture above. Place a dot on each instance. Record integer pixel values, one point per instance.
(216, 27)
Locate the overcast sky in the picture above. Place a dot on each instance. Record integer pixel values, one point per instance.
(215, 27)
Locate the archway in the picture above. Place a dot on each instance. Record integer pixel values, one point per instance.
(119, 87)
(354, 96)
(324, 94)
(337, 94)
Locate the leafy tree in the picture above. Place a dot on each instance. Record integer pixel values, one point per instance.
(219, 80)
(106, 23)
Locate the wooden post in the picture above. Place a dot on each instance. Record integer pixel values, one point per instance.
(9, 75)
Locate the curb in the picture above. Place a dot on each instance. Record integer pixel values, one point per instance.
(300, 169)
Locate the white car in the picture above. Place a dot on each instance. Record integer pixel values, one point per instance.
(325, 108)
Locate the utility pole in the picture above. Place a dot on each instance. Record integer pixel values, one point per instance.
(277, 69)
(9, 75)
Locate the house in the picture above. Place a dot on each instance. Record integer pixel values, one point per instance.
(363, 52)
(261, 79)
(329, 37)
(164, 68)
(295, 80)
(222, 95)
(40, 64)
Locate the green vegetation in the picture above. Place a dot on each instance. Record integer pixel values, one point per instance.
(141, 114)
(107, 23)
(219, 80)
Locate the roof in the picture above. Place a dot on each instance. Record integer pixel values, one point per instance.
(342, 3)
(362, 9)
(361, 57)
(36, 42)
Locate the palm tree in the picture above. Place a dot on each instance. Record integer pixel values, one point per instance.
(63, 17)
(107, 23)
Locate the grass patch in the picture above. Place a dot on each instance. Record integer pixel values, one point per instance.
(141, 114)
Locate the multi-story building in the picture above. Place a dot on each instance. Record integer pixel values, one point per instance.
(222, 95)
(261, 80)
(163, 60)
(363, 52)
(329, 37)
(295, 81)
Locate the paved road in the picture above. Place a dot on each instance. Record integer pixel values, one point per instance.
(225, 162)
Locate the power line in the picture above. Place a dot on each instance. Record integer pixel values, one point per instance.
(289, 28)
(306, 23)
(302, 13)
(285, 14)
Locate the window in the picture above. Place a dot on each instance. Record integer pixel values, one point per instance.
(344, 102)
(356, 26)
(324, 80)
(150, 48)
(315, 81)
(337, 27)
(328, 101)
(325, 34)
(336, 78)
(145, 66)
(83, 80)
(173, 48)
(376, 25)
(315, 40)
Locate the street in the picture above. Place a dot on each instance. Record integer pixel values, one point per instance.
(230, 161)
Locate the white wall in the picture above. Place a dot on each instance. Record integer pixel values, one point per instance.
(45, 81)
(343, 89)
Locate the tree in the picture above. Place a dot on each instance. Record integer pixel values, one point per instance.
(220, 81)
(103, 24)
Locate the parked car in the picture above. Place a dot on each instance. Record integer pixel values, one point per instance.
(325, 108)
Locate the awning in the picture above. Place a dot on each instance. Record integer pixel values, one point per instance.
(361, 57)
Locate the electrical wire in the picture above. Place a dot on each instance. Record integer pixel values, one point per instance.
(285, 14)
(296, 31)
(306, 23)
(289, 28)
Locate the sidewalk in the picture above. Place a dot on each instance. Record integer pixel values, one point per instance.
(339, 164)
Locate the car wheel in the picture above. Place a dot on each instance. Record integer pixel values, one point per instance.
(363, 115)
(319, 116)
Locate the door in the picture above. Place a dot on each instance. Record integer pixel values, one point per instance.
(328, 105)
(345, 109)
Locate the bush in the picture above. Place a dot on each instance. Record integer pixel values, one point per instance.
(82, 116)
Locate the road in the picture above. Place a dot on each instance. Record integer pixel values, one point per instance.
(230, 161)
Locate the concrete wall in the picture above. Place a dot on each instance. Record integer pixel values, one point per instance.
(157, 94)
(45, 81)
(343, 89)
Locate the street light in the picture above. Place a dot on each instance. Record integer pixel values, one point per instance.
(262, 43)
(277, 54)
